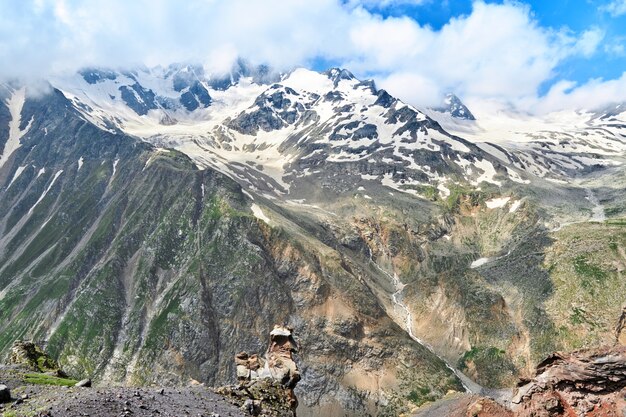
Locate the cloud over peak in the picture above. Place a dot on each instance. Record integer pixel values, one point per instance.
(496, 51)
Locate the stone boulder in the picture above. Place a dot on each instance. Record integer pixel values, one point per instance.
(5, 394)
(266, 384)
(85, 383)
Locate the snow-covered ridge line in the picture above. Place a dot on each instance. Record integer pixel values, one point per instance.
(555, 146)
(266, 136)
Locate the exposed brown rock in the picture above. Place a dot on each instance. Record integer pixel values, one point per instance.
(583, 383)
(486, 407)
(586, 383)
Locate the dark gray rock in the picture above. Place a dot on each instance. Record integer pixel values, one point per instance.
(338, 74)
(95, 75)
(5, 394)
(140, 99)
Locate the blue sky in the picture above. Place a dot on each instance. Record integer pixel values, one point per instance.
(536, 55)
(608, 62)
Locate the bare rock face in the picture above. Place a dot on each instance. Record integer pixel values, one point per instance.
(582, 383)
(586, 383)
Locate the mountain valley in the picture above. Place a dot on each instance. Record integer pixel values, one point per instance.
(155, 222)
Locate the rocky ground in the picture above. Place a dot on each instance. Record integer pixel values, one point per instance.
(29, 399)
(462, 405)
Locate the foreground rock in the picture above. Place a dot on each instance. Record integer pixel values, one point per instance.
(583, 383)
(266, 384)
(85, 383)
(587, 383)
(31, 355)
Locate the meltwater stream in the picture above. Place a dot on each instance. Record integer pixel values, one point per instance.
(469, 385)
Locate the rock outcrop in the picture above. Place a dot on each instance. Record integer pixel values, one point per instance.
(586, 383)
(266, 384)
(266, 397)
(583, 383)
(30, 355)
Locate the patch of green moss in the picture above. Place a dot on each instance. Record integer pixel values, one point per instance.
(459, 193)
(421, 395)
(45, 379)
(427, 191)
(590, 273)
(495, 367)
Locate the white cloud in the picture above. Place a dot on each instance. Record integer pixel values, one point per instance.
(594, 94)
(615, 8)
(616, 48)
(385, 3)
(497, 51)
(413, 88)
(589, 41)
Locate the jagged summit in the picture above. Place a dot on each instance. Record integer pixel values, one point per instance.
(453, 106)
(165, 90)
(338, 74)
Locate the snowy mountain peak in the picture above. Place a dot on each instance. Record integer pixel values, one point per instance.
(338, 74)
(454, 106)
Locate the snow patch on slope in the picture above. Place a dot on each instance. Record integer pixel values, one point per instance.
(258, 213)
(479, 262)
(115, 167)
(56, 176)
(515, 206)
(497, 202)
(17, 174)
(15, 104)
(488, 172)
